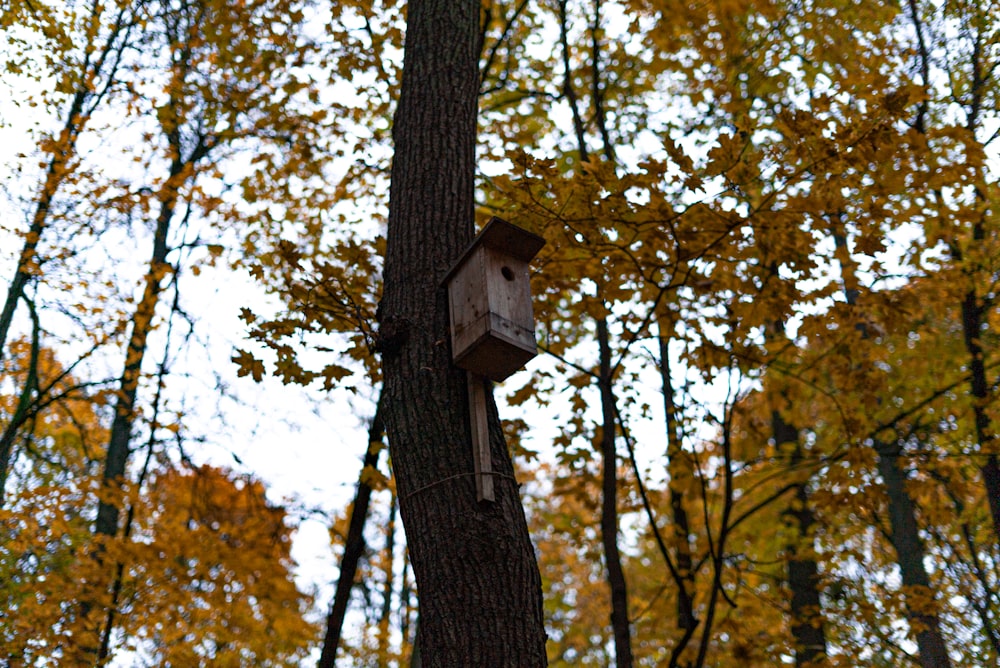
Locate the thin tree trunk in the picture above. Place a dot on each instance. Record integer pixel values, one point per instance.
(354, 546)
(681, 529)
(609, 456)
(597, 87)
(609, 486)
(116, 457)
(182, 169)
(406, 608)
(910, 553)
(973, 306)
(480, 589)
(415, 661)
(717, 552)
(62, 153)
(23, 410)
(905, 535)
(28, 259)
(976, 306)
(803, 571)
(567, 89)
(104, 652)
(973, 310)
(385, 617)
(609, 506)
(35, 397)
(82, 104)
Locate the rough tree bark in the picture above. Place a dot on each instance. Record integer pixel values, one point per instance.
(480, 590)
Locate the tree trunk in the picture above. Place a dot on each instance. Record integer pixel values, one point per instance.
(609, 507)
(480, 589)
(676, 470)
(905, 535)
(54, 176)
(354, 547)
(803, 572)
(24, 408)
(973, 310)
(973, 306)
(104, 651)
(910, 553)
(90, 92)
(407, 609)
(116, 458)
(385, 617)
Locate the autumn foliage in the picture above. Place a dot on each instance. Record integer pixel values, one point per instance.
(766, 311)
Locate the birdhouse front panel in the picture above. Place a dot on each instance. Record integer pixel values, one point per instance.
(508, 285)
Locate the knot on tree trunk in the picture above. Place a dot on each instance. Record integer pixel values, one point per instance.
(392, 335)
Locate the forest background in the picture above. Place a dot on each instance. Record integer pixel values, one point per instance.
(762, 429)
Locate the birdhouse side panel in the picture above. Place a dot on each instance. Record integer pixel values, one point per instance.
(468, 304)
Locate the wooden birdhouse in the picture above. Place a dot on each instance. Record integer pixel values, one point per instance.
(489, 296)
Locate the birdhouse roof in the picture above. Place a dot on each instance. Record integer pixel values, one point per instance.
(505, 237)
